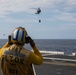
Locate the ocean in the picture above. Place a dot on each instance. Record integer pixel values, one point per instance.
(67, 46)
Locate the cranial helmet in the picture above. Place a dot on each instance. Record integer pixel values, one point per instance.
(19, 35)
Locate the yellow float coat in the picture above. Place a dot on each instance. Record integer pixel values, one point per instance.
(16, 60)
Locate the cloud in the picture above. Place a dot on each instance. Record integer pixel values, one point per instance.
(67, 17)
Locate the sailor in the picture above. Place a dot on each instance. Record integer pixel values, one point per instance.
(17, 60)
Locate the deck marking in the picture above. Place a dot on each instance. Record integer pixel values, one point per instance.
(59, 59)
(59, 63)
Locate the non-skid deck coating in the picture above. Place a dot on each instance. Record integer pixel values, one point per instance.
(57, 65)
(50, 69)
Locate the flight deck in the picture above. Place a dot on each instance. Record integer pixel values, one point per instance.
(57, 64)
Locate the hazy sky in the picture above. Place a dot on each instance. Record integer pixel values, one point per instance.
(58, 18)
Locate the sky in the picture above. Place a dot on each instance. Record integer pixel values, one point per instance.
(58, 18)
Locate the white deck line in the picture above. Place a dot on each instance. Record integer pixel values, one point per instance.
(34, 69)
(52, 52)
(59, 59)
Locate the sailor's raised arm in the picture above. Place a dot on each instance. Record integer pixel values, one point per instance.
(36, 57)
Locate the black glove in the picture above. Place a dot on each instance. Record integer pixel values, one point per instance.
(27, 39)
(31, 42)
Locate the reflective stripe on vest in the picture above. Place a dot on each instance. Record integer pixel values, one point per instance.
(14, 53)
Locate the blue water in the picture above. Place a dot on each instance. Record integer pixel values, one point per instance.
(67, 46)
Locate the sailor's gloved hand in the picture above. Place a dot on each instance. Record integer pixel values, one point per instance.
(30, 40)
(32, 43)
(27, 39)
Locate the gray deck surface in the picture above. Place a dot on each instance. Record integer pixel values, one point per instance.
(50, 69)
(55, 67)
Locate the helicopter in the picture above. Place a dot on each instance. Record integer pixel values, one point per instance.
(38, 11)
